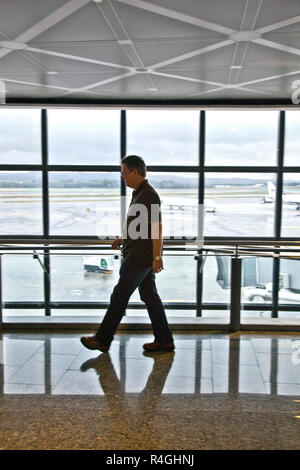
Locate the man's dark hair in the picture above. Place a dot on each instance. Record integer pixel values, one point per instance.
(133, 162)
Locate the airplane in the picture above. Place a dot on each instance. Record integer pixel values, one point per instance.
(209, 206)
(287, 198)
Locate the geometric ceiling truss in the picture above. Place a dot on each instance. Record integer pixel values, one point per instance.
(241, 39)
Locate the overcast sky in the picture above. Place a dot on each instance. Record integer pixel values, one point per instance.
(159, 136)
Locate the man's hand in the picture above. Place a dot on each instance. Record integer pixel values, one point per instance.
(117, 243)
(157, 265)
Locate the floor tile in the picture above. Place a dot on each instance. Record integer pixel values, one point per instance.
(238, 391)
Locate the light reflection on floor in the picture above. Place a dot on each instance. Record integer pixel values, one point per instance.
(222, 390)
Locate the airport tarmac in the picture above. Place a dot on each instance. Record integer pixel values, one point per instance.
(91, 214)
(84, 213)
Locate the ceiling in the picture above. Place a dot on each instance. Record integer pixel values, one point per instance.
(158, 51)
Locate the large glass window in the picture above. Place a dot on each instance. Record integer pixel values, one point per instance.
(84, 203)
(179, 202)
(292, 138)
(289, 285)
(164, 137)
(20, 136)
(21, 203)
(84, 137)
(179, 271)
(216, 281)
(291, 205)
(83, 278)
(238, 202)
(22, 279)
(241, 138)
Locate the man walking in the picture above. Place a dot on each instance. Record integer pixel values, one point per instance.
(142, 258)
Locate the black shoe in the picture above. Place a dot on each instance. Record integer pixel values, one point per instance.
(157, 346)
(90, 342)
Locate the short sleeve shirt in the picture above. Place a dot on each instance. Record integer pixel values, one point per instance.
(144, 210)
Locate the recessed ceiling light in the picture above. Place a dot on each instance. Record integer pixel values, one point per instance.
(52, 72)
(236, 66)
(152, 89)
(98, 1)
(124, 41)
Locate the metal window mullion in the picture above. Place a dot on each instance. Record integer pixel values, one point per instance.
(1, 303)
(45, 197)
(201, 162)
(123, 148)
(240, 169)
(278, 210)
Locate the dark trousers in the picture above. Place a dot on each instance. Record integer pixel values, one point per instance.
(131, 277)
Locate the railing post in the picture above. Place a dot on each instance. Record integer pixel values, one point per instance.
(235, 303)
(1, 316)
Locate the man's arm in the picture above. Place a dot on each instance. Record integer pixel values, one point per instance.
(157, 241)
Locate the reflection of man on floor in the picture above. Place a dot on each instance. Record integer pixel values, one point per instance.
(142, 252)
(128, 418)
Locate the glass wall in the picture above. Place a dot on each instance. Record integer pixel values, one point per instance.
(240, 202)
(20, 136)
(83, 137)
(163, 137)
(21, 203)
(83, 203)
(242, 138)
(60, 177)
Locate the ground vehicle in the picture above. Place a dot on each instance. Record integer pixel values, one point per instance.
(257, 279)
(98, 264)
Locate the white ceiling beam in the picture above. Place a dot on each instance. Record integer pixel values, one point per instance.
(47, 22)
(118, 29)
(220, 86)
(22, 82)
(69, 90)
(153, 67)
(187, 79)
(275, 45)
(279, 25)
(175, 15)
(191, 54)
(273, 77)
(108, 80)
(227, 87)
(248, 22)
(78, 58)
(100, 83)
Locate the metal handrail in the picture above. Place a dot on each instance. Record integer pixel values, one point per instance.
(166, 241)
(235, 249)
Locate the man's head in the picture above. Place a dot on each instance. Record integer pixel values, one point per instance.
(133, 170)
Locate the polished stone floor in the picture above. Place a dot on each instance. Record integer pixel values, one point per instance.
(216, 391)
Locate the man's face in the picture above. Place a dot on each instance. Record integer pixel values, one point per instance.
(129, 176)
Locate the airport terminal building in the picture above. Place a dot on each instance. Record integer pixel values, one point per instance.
(209, 97)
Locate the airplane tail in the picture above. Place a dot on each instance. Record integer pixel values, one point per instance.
(270, 196)
(271, 188)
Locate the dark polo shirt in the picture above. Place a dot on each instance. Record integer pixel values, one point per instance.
(135, 245)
